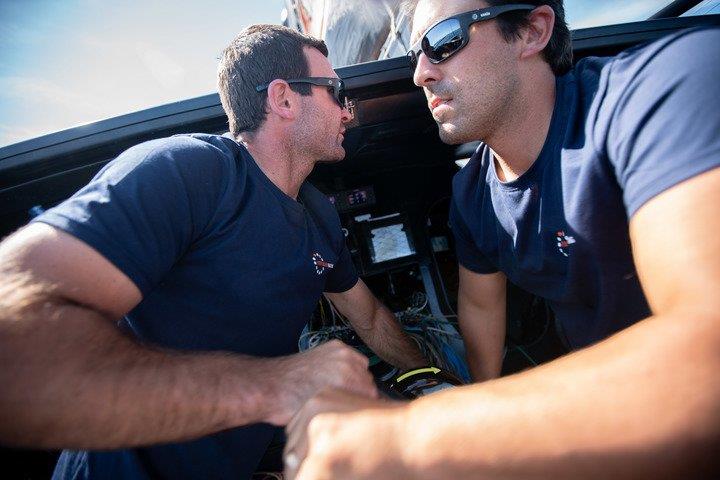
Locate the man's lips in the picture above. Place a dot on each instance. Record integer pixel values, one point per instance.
(437, 101)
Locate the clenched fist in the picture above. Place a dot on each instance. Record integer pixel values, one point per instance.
(331, 365)
(338, 434)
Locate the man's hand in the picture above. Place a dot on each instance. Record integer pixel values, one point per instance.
(338, 434)
(331, 365)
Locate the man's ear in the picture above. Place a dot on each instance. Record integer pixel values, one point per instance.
(282, 101)
(536, 35)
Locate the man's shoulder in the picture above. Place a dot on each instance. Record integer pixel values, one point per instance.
(223, 143)
(677, 48)
(690, 48)
(693, 42)
(190, 155)
(198, 146)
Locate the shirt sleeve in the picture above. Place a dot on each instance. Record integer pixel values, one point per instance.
(467, 252)
(665, 126)
(146, 207)
(343, 276)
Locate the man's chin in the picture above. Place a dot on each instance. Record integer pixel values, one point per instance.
(339, 156)
(452, 135)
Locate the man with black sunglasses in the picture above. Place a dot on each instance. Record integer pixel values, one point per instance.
(150, 323)
(596, 187)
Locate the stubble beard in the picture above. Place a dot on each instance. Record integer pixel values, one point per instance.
(312, 138)
(480, 115)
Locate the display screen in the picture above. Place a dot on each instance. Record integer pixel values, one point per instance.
(390, 242)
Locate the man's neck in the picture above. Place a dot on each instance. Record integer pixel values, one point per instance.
(518, 142)
(283, 165)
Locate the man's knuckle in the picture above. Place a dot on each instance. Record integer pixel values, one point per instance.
(320, 429)
(334, 343)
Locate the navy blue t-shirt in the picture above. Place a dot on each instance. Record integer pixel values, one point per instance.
(624, 129)
(225, 261)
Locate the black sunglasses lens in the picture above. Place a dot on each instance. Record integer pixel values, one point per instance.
(412, 57)
(443, 40)
(338, 92)
(332, 91)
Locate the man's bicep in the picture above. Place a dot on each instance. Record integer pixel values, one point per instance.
(486, 290)
(676, 245)
(481, 315)
(40, 254)
(481, 308)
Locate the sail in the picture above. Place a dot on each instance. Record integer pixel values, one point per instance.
(355, 31)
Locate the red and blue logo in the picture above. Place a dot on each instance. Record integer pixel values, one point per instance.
(320, 264)
(563, 242)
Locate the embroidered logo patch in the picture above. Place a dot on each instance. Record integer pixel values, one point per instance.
(320, 264)
(563, 242)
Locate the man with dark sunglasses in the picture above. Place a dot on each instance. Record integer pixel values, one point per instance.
(334, 85)
(150, 323)
(596, 187)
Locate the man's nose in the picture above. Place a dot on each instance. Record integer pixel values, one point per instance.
(426, 72)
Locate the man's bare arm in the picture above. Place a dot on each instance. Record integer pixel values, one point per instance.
(482, 316)
(644, 403)
(71, 379)
(378, 327)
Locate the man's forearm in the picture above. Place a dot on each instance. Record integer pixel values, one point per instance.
(642, 404)
(388, 340)
(71, 379)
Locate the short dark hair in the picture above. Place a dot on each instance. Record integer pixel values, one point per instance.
(259, 55)
(557, 53)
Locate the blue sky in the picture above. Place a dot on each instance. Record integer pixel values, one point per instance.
(65, 63)
(589, 13)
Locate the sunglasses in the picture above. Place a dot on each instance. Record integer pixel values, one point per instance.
(334, 85)
(449, 36)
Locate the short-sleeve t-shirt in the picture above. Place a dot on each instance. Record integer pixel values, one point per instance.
(624, 129)
(225, 261)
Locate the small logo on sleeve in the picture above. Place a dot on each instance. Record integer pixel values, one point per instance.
(320, 264)
(563, 242)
